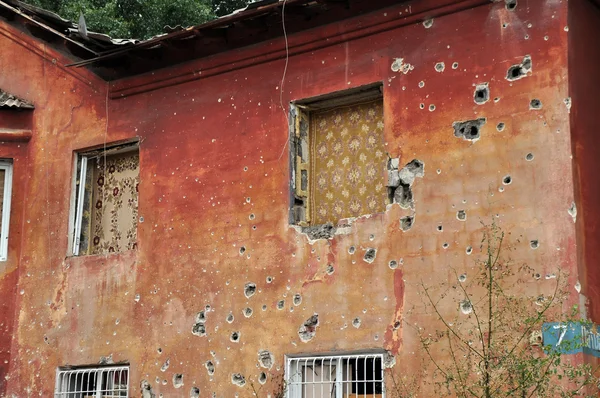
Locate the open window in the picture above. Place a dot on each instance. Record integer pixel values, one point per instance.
(337, 376)
(339, 160)
(86, 382)
(105, 197)
(6, 171)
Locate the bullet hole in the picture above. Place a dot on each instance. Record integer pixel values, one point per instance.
(400, 190)
(397, 325)
(147, 390)
(501, 189)
(466, 307)
(165, 366)
(507, 180)
(445, 245)
(210, 367)
(421, 84)
(199, 328)
(177, 380)
(235, 337)
(462, 278)
(137, 298)
(461, 215)
(469, 130)
(238, 380)
(510, 4)
(469, 250)
(573, 211)
(280, 304)
(519, 71)
(422, 106)
(505, 25)
(482, 93)
(264, 307)
(266, 359)
(431, 108)
(440, 228)
(308, 330)
(351, 249)
(242, 250)
(324, 231)
(550, 276)
(370, 255)
(393, 264)
(247, 312)
(406, 223)
(567, 102)
(245, 168)
(329, 269)
(455, 65)
(269, 279)
(428, 23)
(229, 318)
(194, 392)
(252, 216)
(578, 287)
(535, 104)
(496, 99)
(249, 289)
(248, 199)
(439, 67)
(537, 276)
(297, 299)
(529, 157)
(500, 126)
(159, 350)
(356, 322)
(262, 378)
(534, 244)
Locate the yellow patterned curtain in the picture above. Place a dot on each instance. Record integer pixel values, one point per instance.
(348, 162)
(115, 203)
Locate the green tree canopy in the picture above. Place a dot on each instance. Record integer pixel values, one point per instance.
(139, 19)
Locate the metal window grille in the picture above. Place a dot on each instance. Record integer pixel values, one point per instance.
(337, 376)
(104, 382)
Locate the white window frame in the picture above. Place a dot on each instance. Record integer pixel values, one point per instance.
(78, 192)
(69, 382)
(7, 166)
(297, 381)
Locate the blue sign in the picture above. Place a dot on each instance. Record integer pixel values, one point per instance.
(571, 338)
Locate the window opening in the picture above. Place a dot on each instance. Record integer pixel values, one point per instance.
(103, 382)
(106, 200)
(339, 158)
(6, 172)
(338, 376)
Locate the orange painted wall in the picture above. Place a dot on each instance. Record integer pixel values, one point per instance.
(210, 144)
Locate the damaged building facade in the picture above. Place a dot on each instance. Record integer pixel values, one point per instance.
(209, 212)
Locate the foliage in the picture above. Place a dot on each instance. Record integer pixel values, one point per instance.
(486, 350)
(139, 19)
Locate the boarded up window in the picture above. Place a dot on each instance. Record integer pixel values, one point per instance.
(348, 162)
(106, 220)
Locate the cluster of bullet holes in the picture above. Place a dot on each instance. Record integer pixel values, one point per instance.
(482, 93)
(535, 104)
(510, 4)
(461, 215)
(194, 392)
(238, 379)
(469, 130)
(519, 71)
(177, 380)
(297, 299)
(210, 367)
(370, 255)
(266, 359)
(235, 337)
(249, 289)
(400, 181)
(406, 223)
(199, 328)
(308, 329)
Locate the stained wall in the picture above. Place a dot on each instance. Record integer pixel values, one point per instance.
(214, 173)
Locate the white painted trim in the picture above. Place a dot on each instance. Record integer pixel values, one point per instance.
(8, 174)
(79, 209)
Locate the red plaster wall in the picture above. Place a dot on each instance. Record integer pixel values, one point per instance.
(209, 144)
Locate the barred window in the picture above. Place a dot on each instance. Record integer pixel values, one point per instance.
(103, 382)
(337, 376)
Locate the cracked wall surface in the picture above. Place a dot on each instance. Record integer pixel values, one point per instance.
(221, 287)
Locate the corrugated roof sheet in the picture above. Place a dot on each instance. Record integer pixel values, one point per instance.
(8, 100)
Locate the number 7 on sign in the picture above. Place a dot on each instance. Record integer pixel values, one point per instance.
(562, 333)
